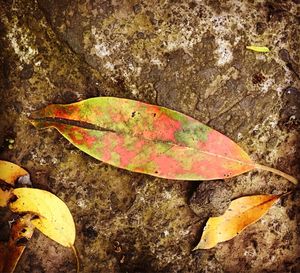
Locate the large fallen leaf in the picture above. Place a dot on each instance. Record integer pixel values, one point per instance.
(148, 139)
(21, 232)
(53, 216)
(241, 213)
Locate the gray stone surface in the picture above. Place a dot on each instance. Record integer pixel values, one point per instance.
(186, 55)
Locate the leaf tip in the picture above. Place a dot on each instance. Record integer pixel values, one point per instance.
(39, 124)
(204, 244)
(34, 115)
(294, 181)
(196, 248)
(36, 118)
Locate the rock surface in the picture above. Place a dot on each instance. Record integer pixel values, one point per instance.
(186, 55)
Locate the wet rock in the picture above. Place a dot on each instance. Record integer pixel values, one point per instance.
(211, 198)
(24, 181)
(290, 63)
(137, 8)
(26, 72)
(284, 55)
(89, 232)
(260, 28)
(290, 113)
(186, 55)
(258, 78)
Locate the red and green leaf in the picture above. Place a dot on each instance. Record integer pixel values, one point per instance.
(146, 138)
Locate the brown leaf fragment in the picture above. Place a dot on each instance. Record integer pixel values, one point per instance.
(21, 231)
(4, 197)
(241, 213)
(3, 252)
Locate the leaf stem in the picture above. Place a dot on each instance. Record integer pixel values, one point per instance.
(285, 194)
(77, 258)
(280, 173)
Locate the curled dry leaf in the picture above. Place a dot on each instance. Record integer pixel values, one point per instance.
(22, 228)
(148, 139)
(4, 196)
(53, 217)
(241, 213)
(21, 232)
(3, 253)
(263, 49)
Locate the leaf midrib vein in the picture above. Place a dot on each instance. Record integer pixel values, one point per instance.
(90, 126)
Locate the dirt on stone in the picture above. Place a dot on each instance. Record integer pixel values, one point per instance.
(189, 56)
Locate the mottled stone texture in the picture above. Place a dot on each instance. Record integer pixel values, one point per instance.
(186, 55)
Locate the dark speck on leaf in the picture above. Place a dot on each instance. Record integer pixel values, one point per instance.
(35, 217)
(14, 198)
(22, 241)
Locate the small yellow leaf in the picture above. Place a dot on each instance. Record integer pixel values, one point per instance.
(258, 48)
(241, 213)
(10, 172)
(54, 218)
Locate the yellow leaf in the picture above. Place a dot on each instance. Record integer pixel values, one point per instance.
(10, 172)
(54, 218)
(258, 48)
(241, 213)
